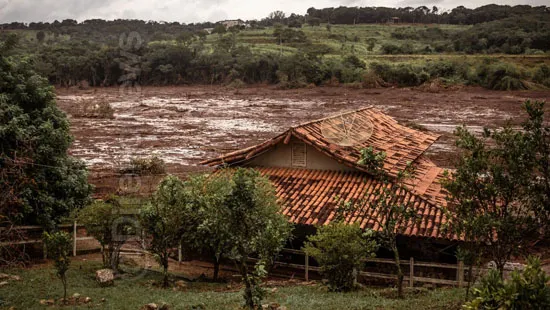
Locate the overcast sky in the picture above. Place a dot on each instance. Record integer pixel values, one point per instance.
(188, 11)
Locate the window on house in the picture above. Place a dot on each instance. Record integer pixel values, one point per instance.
(299, 155)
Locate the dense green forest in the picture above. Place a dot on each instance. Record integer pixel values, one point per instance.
(328, 46)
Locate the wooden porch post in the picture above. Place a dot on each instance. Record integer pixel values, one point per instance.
(411, 272)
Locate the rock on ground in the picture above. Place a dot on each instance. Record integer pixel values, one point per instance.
(105, 277)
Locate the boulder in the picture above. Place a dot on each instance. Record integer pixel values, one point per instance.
(87, 300)
(47, 302)
(180, 284)
(105, 277)
(151, 306)
(274, 306)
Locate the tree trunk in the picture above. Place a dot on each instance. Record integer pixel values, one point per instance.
(399, 271)
(500, 268)
(249, 298)
(470, 278)
(64, 281)
(216, 268)
(165, 271)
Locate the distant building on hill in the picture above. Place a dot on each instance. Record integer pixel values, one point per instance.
(235, 22)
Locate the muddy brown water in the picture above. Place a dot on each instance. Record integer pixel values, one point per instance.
(184, 125)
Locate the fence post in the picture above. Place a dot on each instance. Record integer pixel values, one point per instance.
(411, 272)
(307, 267)
(179, 253)
(460, 273)
(74, 238)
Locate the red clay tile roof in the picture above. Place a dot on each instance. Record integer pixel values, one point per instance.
(426, 181)
(309, 197)
(343, 136)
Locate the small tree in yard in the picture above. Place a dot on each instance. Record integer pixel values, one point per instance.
(58, 246)
(537, 132)
(213, 234)
(256, 228)
(102, 221)
(340, 249)
(490, 193)
(164, 220)
(394, 212)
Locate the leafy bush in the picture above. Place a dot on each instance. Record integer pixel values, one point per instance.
(400, 74)
(339, 249)
(500, 76)
(105, 222)
(58, 247)
(394, 49)
(145, 166)
(525, 290)
(542, 75)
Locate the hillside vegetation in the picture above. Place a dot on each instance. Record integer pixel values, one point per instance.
(325, 47)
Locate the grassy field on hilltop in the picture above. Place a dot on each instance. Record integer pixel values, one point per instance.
(344, 39)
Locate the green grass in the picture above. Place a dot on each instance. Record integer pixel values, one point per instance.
(341, 39)
(132, 293)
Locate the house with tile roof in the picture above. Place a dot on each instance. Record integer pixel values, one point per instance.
(314, 164)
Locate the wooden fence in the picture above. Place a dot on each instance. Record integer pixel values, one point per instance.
(35, 233)
(411, 278)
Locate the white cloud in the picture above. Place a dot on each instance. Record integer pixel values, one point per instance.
(195, 10)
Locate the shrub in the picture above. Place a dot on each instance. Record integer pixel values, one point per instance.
(340, 249)
(542, 75)
(525, 290)
(236, 83)
(393, 49)
(58, 247)
(354, 62)
(500, 76)
(400, 74)
(105, 222)
(145, 166)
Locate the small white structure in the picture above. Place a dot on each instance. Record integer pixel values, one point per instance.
(234, 22)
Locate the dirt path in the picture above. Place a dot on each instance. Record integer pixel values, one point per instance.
(184, 125)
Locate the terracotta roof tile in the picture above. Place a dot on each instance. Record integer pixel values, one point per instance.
(309, 197)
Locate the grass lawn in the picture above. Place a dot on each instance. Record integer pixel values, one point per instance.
(132, 292)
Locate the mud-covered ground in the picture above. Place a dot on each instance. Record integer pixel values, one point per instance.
(184, 125)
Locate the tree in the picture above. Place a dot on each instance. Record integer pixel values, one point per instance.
(257, 228)
(164, 220)
(277, 16)
(314, 21)
(34, 139)
(219, 29)
(58, 247)
(213, 234)
(104, 220)
(40, 36)
(537, 132)
(489, 193)
(341, 249)
(394, 212)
